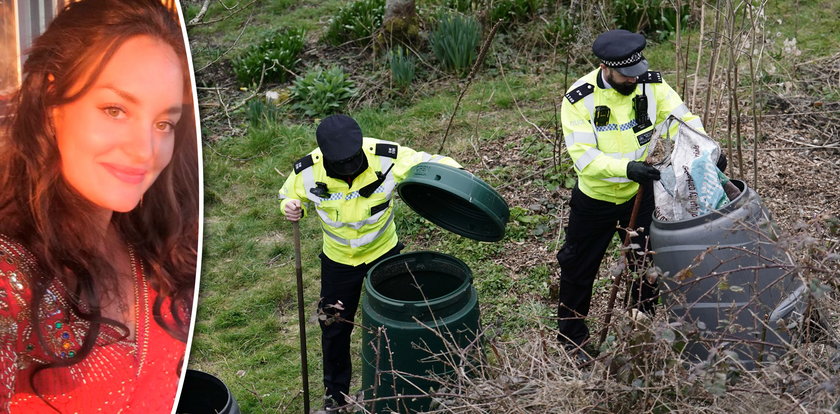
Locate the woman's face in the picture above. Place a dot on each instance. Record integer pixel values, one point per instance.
(116, 138)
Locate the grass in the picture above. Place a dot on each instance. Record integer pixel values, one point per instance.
(246, 331)
(808, 21)
(255, 22)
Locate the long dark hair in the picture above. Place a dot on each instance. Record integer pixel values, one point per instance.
(42, 212)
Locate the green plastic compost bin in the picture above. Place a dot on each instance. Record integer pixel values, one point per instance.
(455, 200)
(420, 310)
(421, 316)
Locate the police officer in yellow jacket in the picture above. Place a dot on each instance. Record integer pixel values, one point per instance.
(350, 181)
(608, 118)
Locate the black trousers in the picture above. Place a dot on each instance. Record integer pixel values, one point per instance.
(340, 282)
(592, 224)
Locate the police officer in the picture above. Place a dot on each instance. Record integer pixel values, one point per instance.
(608, 118)
(350, 181)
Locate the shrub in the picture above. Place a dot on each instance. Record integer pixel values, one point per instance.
(275, 55)
(454, 42)
(402, 67)
(649, 16)
(354, 22)
(506, 10)
(561, 30)
(630, 14)
(510, 11)
(462, 6)
(322, 92)
(664, 20)
(260, 111)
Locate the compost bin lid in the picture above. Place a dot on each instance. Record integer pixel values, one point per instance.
(455, 200)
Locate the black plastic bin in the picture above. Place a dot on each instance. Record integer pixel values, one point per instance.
(205, 394)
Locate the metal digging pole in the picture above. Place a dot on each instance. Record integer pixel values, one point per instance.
(304, 369)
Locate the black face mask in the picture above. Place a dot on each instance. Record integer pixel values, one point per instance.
(348, 167)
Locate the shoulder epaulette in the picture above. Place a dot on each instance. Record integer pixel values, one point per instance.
(303, 163)
(650, 77)
(580, 92)
(386, 150)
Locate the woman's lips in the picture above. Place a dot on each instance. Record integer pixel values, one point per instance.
(130, 175)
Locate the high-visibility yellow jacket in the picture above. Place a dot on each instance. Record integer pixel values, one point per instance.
(601, 152)
(356, 229)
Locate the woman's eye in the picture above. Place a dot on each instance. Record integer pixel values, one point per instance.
(165, 126)
(114, 112)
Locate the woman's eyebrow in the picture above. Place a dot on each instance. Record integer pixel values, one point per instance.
(173, 110)
(123, 94)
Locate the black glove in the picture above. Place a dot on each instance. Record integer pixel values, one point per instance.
(641, 172)
(721, 163)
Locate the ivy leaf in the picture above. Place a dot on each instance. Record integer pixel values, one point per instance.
(818, 289)
(668, 335)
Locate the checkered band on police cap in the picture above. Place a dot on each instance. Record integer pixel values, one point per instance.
(629, 61)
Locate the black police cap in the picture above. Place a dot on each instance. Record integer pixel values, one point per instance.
(622, 50)
(339, 137)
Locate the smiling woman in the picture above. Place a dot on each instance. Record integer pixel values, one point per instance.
(116, 139)
(99, 214)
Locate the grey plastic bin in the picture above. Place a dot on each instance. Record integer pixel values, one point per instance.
(740, 289)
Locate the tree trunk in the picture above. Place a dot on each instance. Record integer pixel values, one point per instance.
(400, 24)
(403, 9)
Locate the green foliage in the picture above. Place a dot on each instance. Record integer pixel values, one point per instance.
(630, 14)
(523, 222)
(652, 17)
(561, 30)
(559, 171)
(354, 22)
(190, 11)
(563, 176)
(518, 225)
(538, 279)
(259, 111)
(402, 67)
(322, 92)
(455, 42)
(501, 294)
(463, 6)
(510, 11)
(270, 137)
(664, 24)
(275, 55)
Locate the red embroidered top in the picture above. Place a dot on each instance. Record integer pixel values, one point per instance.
(117, 376)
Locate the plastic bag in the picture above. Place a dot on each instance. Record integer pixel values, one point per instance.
(690, 183)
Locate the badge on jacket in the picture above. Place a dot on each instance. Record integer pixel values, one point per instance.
(602, 115)
(320, 190)
(644, 138)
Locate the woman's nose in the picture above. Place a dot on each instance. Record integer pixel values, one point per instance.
(140, 145)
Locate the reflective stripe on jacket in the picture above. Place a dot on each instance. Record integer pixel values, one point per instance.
(356, 229)
(601, 152)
